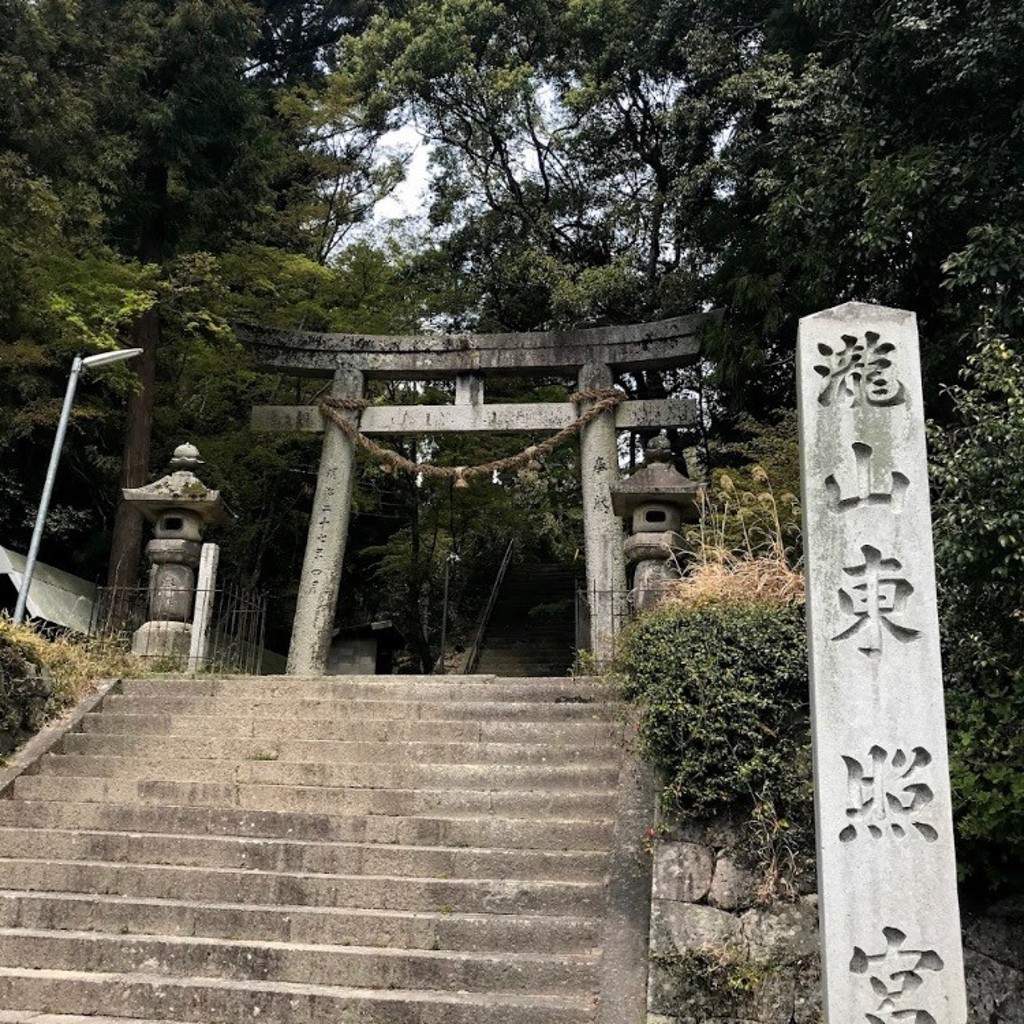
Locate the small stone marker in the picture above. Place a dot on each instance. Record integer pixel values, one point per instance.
(202, 613)
(890, 923)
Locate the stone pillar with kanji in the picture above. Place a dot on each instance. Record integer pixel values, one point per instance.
(890, 925)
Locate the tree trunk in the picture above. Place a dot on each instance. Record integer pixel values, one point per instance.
(126, 542)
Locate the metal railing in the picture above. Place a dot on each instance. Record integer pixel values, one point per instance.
(473, 651)
(236, 635)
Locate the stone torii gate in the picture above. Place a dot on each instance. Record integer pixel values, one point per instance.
(351, 360)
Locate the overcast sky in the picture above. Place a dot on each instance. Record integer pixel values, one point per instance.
(409, 198)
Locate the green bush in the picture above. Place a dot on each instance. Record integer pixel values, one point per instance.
(978, 474)
(721, 692)
(27, 696)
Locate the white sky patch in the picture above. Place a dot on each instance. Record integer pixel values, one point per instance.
(409, 199)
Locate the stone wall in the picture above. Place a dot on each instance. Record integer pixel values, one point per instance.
(27, 696)
(720, 953)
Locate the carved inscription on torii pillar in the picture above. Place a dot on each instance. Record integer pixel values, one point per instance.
(590, 355)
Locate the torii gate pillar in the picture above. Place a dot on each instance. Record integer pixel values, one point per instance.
(590, 353)
(602, 528)
(325, 547)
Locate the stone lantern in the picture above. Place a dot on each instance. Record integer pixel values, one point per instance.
(180, 506)
(657, 500)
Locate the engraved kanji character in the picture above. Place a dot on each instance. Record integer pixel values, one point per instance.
(885, 795)
(875, 601)
(896, 976)
(861, 370)
(868, 489)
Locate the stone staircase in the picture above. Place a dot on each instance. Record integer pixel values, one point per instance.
(380, 850)
(518, 643)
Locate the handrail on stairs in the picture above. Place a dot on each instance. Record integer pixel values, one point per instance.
(473, 653)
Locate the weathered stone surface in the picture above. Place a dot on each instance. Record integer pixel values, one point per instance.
(179, 491)
(682, 871)
(886, 867)
(206, 582)
(734, 885)
(162, 639)
(782, 931)
(467, 419)
(171, 592)
(325, 546)
(143, 904)
(690, 926)
(652, 546)
(602, 529)
(995, 980)
(663, 344)
(650, 582)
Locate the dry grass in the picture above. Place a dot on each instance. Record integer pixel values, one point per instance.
(738, 550)
(737, 579)
(75, 664)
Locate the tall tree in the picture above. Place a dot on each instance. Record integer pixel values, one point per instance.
(196, 172)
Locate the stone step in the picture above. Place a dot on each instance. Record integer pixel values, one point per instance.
(218, 1001)
(35, 1017)
(300, 963)
(368, 892)
(544, 644)
(458, 688)
(290, 923)
(336, 751)
(324, 799)
(513, 656)
(289, 855)
(270, 771)
(547, 833)
(512, 663)
(366, 710)
(356, 850)
(550, 733)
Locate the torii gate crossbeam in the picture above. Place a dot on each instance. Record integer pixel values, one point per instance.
(589, 354)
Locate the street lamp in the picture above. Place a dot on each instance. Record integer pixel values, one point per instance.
(78, 365)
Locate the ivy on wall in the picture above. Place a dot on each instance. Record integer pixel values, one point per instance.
(721, 693)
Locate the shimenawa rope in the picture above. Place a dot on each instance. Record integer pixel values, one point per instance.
(333, 409)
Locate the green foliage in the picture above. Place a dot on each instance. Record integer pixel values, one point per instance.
(978, 474)
(872, 155)
(41, 674)
(27, 696)
(562, 133)
(720, 979)
(721, 692)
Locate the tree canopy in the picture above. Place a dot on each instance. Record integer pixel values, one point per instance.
(169, 167)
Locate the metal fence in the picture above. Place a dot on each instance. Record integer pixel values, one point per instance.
(236, 635)
(614, 606)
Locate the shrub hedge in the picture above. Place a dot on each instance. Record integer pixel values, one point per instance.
(721, 692)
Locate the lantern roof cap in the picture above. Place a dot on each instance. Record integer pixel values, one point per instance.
(180, 489)
(658, 482)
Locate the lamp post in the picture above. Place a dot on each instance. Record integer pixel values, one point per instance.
(77, 366)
